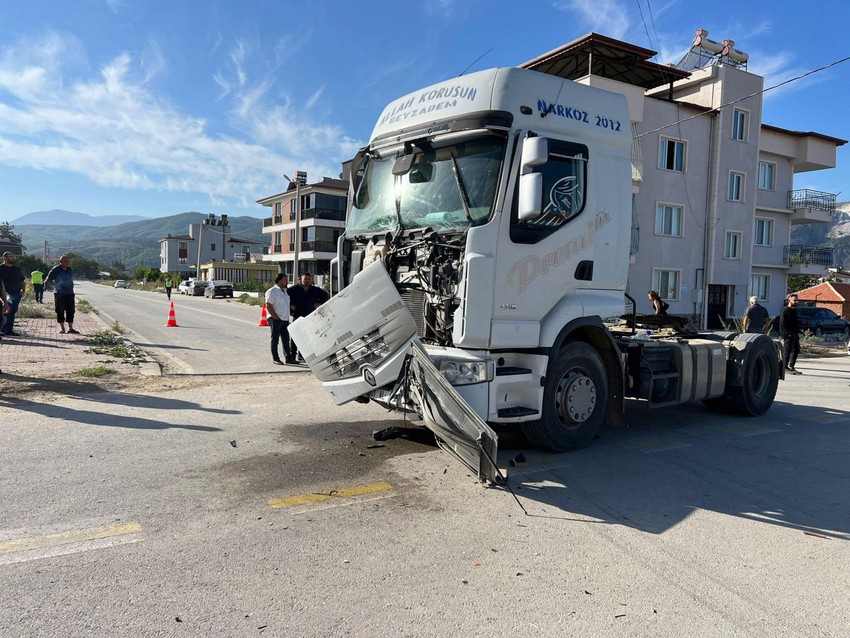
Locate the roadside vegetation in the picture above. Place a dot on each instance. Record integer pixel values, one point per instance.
(95, 371)
(250, 300)
(113, 345)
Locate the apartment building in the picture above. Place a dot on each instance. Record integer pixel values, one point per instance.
(309, 239)
(712, 184)
(206, 242)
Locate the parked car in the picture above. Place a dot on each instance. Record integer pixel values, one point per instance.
(218, 288)
(121, 283)
(191, 287)
(821, 321)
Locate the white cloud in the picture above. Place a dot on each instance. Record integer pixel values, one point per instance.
(110, 126)
(605, 17)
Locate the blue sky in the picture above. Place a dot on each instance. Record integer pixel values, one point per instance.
(154, 108)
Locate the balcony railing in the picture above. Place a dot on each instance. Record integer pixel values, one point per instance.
(816, 200)
(315, 246)
(320, 213)
(272, 221)
(807, 255)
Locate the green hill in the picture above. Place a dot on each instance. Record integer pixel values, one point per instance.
(133, 243)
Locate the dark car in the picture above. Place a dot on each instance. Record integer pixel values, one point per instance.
(218, 288)
(822, 320)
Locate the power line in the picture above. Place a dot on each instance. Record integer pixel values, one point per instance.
(645, 28)
(746, 97)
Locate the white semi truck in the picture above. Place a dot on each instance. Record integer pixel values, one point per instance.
(485, 253)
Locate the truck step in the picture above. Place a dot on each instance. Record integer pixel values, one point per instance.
(505, 371)
(518, 410)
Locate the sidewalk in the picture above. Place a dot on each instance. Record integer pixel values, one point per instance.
(41, 352)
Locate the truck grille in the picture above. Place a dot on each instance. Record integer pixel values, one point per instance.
(370, 348)
(415, 302)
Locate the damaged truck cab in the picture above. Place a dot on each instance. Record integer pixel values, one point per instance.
(487, 243)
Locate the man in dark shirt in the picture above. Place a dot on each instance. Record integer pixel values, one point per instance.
(305, 298)
(13, 280)
(789, 330)
(756, 319)
(61, 277)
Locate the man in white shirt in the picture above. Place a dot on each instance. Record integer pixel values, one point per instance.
(278, 309)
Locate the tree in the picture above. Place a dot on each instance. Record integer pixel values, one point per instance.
(7, 230)
(796, 283)
(29, 263)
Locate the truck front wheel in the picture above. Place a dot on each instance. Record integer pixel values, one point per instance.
(573, 400)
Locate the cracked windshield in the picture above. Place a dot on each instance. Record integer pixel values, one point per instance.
(445, 188)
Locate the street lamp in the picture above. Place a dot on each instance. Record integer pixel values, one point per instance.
(300, 176)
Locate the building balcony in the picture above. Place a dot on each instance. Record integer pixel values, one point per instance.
(271, 250)
(807, 260)
(315, 246)
(320, 213)
(275, 220)
(811, 207)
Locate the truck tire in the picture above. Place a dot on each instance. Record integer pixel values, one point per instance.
(760, 367)
(573, 400)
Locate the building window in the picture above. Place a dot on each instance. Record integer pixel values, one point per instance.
(245, 249)
(668, 220)
(277, 209)
(733, 245)
(739, 125)
(760, 286)
(736, 187)
(763, 232)
(671, 155)
(666, 283)
(212, 246)
(767, 176)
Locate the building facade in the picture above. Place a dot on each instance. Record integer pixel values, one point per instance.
(713, 186)
(311, 239)
(206, 242)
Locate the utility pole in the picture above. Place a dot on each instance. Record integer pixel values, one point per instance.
(300, 176)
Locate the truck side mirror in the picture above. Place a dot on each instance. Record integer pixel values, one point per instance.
(535, 152)
(530, 196)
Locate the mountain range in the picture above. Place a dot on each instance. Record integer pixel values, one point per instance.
(68, 218)
(132, 243)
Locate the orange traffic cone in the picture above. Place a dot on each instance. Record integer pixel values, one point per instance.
(172, 318)
(263, 317)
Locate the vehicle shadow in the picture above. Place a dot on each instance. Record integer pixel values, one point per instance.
(673, 463)
(93, 417)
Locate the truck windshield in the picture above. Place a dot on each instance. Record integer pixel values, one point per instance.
(447, 187)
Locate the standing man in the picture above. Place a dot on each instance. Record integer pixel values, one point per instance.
(305, 298)
(278, 307)
(61, 277)
(789, 330)
(169, 284)
(14, 281)
(37, 278)
(756, 318)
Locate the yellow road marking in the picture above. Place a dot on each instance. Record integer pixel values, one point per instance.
(69, 537)
(345, 492)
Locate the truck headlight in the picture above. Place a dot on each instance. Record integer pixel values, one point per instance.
(463, 372)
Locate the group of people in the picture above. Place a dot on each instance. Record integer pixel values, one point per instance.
(284, 304)
(757, 320)
(13, 286)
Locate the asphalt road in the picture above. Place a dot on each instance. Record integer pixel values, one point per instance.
(221, 505)
(213, 335)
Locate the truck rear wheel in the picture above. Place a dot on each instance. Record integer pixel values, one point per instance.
(760, 366)
(573, 400)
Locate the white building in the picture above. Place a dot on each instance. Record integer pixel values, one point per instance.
(206, 242)
(713, 186)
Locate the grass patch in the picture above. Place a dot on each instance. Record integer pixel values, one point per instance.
(84, 306)
(94, 371)
(118, 328)
(250, 300)
(112, 344)
(32, 310)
